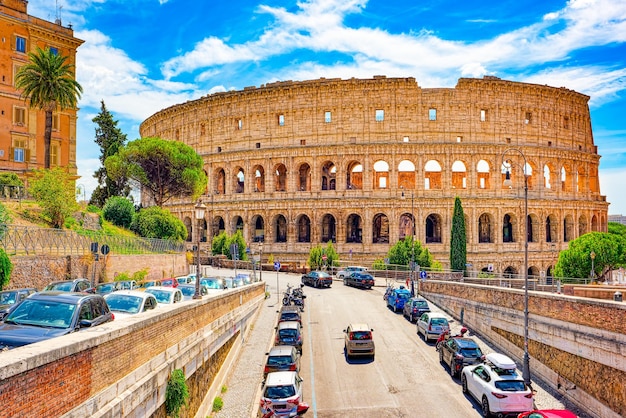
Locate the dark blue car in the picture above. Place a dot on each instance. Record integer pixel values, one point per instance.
(397, 298)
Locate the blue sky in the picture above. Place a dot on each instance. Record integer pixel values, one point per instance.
(141, 56)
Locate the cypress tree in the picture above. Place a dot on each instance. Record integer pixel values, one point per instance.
(458, 243)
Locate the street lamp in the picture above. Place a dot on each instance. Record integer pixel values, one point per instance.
(412, 272)
(593, 270)
(509, 183)
(199, 212)
(260, 261)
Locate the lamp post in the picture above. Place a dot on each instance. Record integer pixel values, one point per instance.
(509, 183)
(593, 270)
(199, 212)
(260, 261)
(412, 266)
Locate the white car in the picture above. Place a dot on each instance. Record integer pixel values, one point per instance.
(166, 295)
(497, 386)
(282, 395)
(125, 303)
(345, 272)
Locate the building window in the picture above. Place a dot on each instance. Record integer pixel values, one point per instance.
(19, 116)
(257, 145)
(281, 120)
(54, 155)
(20, 44)
(405, 139)
(380, 115)
(566, 122)
(19, 151)
(303, 142)
(432, 114)
(55, 122)
(54, 51)
(327, 117)
(459, 138)
(239, 124)
(528, 118)
(483, 115)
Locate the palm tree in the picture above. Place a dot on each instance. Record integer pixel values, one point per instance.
(48, 83)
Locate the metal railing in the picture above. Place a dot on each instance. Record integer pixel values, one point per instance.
(16, 240)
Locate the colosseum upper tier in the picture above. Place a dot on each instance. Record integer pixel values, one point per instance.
(365, 162)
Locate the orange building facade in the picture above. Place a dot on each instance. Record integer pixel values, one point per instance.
(22, 128)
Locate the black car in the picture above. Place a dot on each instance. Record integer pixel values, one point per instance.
(317, 279)
(414, 308)
(9, 298)
(359, 279)
(47, 315)
(76, 285)
(458, 352)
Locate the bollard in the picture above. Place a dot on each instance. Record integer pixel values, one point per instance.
(617, 296)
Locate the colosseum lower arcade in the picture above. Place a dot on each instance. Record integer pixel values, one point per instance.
(365, 162)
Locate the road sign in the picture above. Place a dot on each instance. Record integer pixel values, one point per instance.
(423, 274)
(247, 250)
(276, 265)
(105, 249)
(324, 257)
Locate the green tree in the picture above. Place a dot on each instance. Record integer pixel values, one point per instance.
(110, 139)
(317, 253)
(53, 190)
(48, 83)
(458, 239)
(119, 211)
(156, 222)
(236, 238)
(164, 169)
(219, 244)
(400, 253)
(5, 269)
(575, 262)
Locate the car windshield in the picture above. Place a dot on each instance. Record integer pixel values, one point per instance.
(360, 335)
(421, 304)
(62, 287)
(8, 298)
(280, 392)
(510, 385)
(187, 290)
(279, 360)
(471, 352)
(161, 295)
(439, 321)
(212, 284)
(105, 288)
(124, 303)
(290, 316)
(42, 313)
(288, 333)
(403, 296)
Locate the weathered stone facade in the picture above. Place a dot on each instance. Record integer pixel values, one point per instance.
(366, 162)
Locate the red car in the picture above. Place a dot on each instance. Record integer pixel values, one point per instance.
(548, 413)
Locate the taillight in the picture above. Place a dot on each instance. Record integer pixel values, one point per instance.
(430, 327)
(266, 369)
(293, 367)
(529, 396)
(112, 316)
(498, 395)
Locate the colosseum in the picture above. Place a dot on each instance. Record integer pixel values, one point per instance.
(365, 162)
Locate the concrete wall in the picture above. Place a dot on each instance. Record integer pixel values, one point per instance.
(577, 345)
(122, 368)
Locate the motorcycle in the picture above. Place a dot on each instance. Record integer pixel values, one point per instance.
(294, 296)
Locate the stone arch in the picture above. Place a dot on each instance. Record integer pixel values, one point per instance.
(406, 175)
(239, 180)
(187, 223)
(381, 175)
(594, 223)
(380, 229)
(459, 175)
(280, 173)
(354, 228)
(220, 181)
(303, 229)
(581, 180)
(304, 177)
(510, 272)
(259, 178)
(354, 175)
(486, 228)
(565, 181)
(433, 228)
(533, 223)
(582, 225)
(484, 174)
(220, 224)
(548, 177)
(329, 228)
(237, 224)
(568, 228)
(552, 224)
(509, 225)
(533, 271)
(407, 225)
(329, 176)
(432, 175)
(258, 231)
(280, 229)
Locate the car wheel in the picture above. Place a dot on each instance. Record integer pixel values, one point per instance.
(452, 369)
(484, 406)
(463, 383)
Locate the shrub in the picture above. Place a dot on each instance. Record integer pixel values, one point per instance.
(119, 211)
(218, 404)
(176, 393)
(5, 269)
(155, 222)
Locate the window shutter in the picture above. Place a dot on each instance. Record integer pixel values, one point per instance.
(11, 154)
(27, 155)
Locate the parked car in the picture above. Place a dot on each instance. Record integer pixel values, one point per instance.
(184, 280)
(289, 333)
(105, 288)
(497, 386)
(548, 413)
(459, 352)
(125, 303)
(414, 308)
(166, 295)
(213, 283)
(282, 358)
(9, 298)
(245, 277)
(397, 298)
(282, 395)
(189, 290)
(76, 285)
(359, 279)
(346, 271)
(359, 340)
(50, 314)
(238, 281)
(317, 279)
(289, 313)
(431, 325)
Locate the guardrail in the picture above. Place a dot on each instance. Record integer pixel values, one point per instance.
(22, 240)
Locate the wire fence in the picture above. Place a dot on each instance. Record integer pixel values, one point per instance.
(22, 240)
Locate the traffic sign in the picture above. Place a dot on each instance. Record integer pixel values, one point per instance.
(276, 265)
(105, 249)
(324, 257)
(423, 274)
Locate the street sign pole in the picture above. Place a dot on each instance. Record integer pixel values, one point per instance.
(277, 268)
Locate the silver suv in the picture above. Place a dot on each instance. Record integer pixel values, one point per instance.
(359, 340)
(346, 271)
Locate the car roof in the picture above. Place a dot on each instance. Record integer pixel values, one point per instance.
(402, 291)
(501, 361)
(164, 288)
(359, 326)
(290, 308)
(280, 378)
(66, 297)
(289, 324)
(21, 289)
(436, 315)
(281, 350)
(136, 293)
(465, 342)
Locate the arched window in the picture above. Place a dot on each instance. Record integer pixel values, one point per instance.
(407, 225)
(329, 228)
(303, 229)
(507, 229)
(433, 228)
(484, 228)
(482, 168)
(354, 230)
(381, 175)
(281, 178)
(187, 222)
(239, 181)
(304, 178)
(406, 175)
(329, 176)
(432, 175)
(380, 229)
(281, 229)
(259, 229)
(459, 175)
(354, 175)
